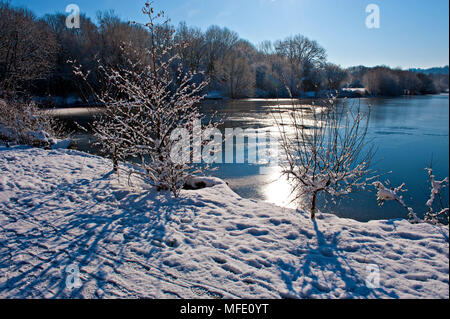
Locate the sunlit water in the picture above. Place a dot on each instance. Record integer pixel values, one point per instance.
(408, 132)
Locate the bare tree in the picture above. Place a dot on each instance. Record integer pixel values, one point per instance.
(266, 48)
(114, 32)
(218, 43)
(301, 55)
(192, 46)
(325, 149)
(27, 47)
(381, 81)
(427, 84)
(235, 72)
(334, 76)
(83, 45)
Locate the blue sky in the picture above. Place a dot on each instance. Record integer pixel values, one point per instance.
(412, 33)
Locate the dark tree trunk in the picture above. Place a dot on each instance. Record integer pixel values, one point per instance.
(115, 161)
(115, 164)
(313, 206)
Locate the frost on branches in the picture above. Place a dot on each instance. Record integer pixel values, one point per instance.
(325, 149)
(145, 100)
(435, 193)
(392, 194)
(21, 122)
(432, 215)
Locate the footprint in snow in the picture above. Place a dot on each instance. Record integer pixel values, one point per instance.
(202, 291)
(219, 260)
(257, 232)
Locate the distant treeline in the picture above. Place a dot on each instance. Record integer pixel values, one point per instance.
(437, 70)
(34, 54)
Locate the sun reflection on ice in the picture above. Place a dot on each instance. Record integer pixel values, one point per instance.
(276, 189)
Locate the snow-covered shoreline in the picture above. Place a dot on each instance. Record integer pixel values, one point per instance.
(64, 207)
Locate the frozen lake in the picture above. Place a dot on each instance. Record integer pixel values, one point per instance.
(408, 132)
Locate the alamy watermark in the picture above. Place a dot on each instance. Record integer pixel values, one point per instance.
(210, 146)
(73, 19)
(73, 276)
(373, 276)
(373, 19)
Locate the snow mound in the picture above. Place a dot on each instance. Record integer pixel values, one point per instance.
(62, 207)
(38, 138)
(64, 143)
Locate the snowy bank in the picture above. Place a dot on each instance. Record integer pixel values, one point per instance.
(63, 207)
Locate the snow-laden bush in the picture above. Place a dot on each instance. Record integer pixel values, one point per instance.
(145, 101)
(436, 212)
(23, 123)
(325, 149)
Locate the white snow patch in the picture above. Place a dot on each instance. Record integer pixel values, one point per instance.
(62, 207)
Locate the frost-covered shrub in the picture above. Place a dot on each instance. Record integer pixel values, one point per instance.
(144, 101)
(23, 123)
(325, 149)
(436, 212)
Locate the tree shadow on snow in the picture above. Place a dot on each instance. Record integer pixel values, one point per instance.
(97, 237)
(321, 262)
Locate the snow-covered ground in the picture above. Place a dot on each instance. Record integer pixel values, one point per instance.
(63, 207)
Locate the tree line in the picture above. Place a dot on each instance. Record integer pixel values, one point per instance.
(34, 55)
